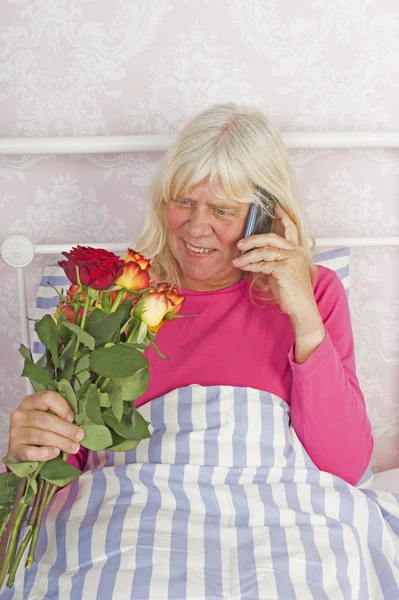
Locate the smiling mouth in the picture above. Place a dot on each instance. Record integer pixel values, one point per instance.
(197, 250)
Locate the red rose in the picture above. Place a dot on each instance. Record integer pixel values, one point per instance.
(97, 268)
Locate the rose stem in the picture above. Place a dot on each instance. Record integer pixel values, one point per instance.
(11, 577)
(4, 524)
(17, 531)
(36, 503)
(16, 509)
(117, 300)
(31, 522)
(13, 540)
(37, 525)
(82, 324)
(50, 495)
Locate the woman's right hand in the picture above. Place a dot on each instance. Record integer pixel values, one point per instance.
(37, 435)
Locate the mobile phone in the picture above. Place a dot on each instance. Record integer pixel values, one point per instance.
(261, 220)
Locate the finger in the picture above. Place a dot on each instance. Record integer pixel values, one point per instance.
(24, 453)
(267, 268)
(48, 400)
(265, 239)
(290, 229)
(31, 436)
(267, 253)
(52, 423)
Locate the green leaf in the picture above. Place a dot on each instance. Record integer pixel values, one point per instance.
(65, 333)
(36, 373)
(59, 472)
(81, 396)
(9, 484)
(68, 351)
(142, 332)
(65, 389)
(120, 444)
(33, 485)
(38, 387)
(67, 371)
(29, 495)
(43, 361)
(131, 428)
(81, 378)
(129, 388)
(25, 352)
(117, 405)
(21, 469)
(94, 294)
(94, 315)
(83, 363)
(105, 303)
(82, 335)
(47, 332)
(104, 399)
(97, 437)
(93, 409)
(128, 408)
(105, 329)
(4, 512)
(82, 391)
(117, 361)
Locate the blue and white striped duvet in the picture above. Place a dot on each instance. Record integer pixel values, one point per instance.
(221, 502)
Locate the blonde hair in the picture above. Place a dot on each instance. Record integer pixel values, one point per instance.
(233, 148)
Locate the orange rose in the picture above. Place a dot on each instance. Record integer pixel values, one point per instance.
(159, 306)
(133, 278)
(132, 256)
(175, 301)
(73, 290)
(153, 310)
(65, 310)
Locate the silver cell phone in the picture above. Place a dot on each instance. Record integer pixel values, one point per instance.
(260, 221)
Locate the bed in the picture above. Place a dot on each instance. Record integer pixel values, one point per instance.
(100, 563)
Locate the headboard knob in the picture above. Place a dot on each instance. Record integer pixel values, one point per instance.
(17, 251)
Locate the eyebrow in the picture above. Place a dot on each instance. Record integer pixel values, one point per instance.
(230, 207)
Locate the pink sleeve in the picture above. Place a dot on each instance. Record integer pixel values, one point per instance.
(327, 406)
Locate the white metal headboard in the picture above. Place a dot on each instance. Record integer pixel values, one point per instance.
(18, 251)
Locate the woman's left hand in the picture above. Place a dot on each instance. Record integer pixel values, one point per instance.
(284, 261)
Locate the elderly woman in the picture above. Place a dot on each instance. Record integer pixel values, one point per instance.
(266, 383)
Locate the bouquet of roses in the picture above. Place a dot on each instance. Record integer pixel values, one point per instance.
(94, 358)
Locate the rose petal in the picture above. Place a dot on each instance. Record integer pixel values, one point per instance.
(154, 308)
(133, 278)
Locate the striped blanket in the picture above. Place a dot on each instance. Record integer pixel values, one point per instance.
(221, 502)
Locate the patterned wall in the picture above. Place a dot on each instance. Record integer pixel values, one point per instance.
(83, 67)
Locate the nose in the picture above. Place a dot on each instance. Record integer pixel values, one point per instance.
(199, 225)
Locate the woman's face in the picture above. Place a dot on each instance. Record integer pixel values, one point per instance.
(203, 232)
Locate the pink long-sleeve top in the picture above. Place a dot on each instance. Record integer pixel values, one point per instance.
(234, 342)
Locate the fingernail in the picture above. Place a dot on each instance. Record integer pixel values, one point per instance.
(70, 417)
(241, 243)
(79, 436)
(235, 261)
(75, 447)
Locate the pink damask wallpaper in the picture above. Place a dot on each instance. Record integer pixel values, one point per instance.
(84, 67)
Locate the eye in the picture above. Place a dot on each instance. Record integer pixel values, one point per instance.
(183, 202)
(220, 212)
